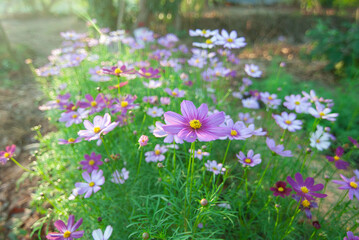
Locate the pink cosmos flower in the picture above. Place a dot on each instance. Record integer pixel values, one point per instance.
(74, 117)
(175, 92)
(7, 154)
(270, 100)
(322, 112)
(297, 103)
(100, 126)
(199, 154)
(123, 104)
(91, 162)
(152, 84)
(69, 141)
(230, 40)
(120, 177)
(351, 236)
(143, 140)
(349, 184)
(66, 232)
(118, 71)
(95, 105)
(155, 112)
(237, 131)
(92, 184)
(169, 138)
(156, 155)
(288, 121)
(249, 160)
(195, 124)
(216, 168)
(279, 149)
(281, 189)
(246, 117)
(252, 70)
(149, 73)
(165, 100)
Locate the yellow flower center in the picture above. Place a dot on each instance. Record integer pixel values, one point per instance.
(67, 234)
(336, 158)
(197, 61)
(74, 116)
(71, 140)
(199, 152)
(91, 162)
(97, 129)
(195, 124)
(98, 71)
(305, 203)
(248, 160)
(154, 112)
(297, 103)
(124, 104)
(280, 189)
(174, 94)
(117, 71)
(353, 185)
(269, 98)
(214, 168)
(58, 100)
(304, 189)
(318, 141)
(91, 184)
(157, 152)
(208, 41)
(234, 133)
(148, 74)
(93, 104)
(321, 114)
(73, 108)
(6, 155)
(288, 122)
(204, 31)
(230, 40)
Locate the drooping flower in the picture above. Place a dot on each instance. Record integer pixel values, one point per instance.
(306, 205)
(322, 112)
(320, 139)
(297, 103)
(351, 236)
(175, 92)
(100, 126)
(156, 155)
(252, 70)
(279, 149)
(70, 140)
(66, 232)
(306, 188)
(195, 124)
(288, 121)
(339, 163)
(143, 140)
(249, 160)
(93, 183)
(98, 235)
(230, 40)
(216, 168)
(169, 138)
(155, 112)
(91, 162)
(281, 189)
(349, 184)
(149, 73)
(120, 177)
(7, 154)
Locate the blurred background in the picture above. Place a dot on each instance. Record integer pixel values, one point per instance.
(318, 40)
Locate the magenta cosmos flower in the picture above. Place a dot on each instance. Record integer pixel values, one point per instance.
(279, 149)
(195, 124)
(149, 73)
(351, 236)
(66, 232)
(306, 188)
(7, 154)
(118, 71)
(355, 142)
(349, 184)
(92, 184)
(95, 105)
(100, 126)
(91, 162)
(69, 141)
(339, 163)
(281, 189)
(175, 92)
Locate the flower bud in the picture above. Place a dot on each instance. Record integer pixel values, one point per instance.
(99, 219)
(98, 89)
(145, 235)
(316, 224)
(308, 150)
(204, 202)
(143, 140)
(160, 165)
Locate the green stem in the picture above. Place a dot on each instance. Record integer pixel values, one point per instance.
(292, 219)
(139, 164)
(336, 205)
(304, 160)
(17, 163)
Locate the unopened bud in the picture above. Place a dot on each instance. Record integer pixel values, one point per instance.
(308, 150)
(204, 202)
(99, 219)
(160, 165)
(145, 235)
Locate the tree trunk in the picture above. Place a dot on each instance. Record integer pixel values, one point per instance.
(121, 13)
(142, 18)
(104, 12)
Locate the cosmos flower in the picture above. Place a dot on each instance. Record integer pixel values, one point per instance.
(7, 154)
(351, 236)
(216, 168)
(349, 184)
(155, 112)
(339, 163)
(165, 100)
(320, 139)
(202, 33)
(123, 104)
(245, 117)
(92, 184)
(70, 141)
(120, 177)
(230, 40)
(149, 73)
(297, 103)
(197, 61)
(249, 160)
(306, 188)
(66, 232)
(288, 121)
(250, 103)
(74, 117)
(98, 235)
(194, 124)
(152, 84)
(199, 153)
(252, 70)
(281, 189)
(175, 92)
(118, 71)
(306, 205)
(237, 131)
(143, 140)
(96, 105)
(169, 138)
(279, 149)
(150, 99)
(209, 43)
(157, 154)
(270, 100)
(355, 142)
(322, 112)
(91, 162)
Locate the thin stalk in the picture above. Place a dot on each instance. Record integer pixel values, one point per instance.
(292, 219)
(22, 167)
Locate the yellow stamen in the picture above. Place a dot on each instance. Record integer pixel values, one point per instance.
(58, 100)
(318, 141)
(270, 98)
(124, 104)
(321, 114)
(297, 103)
(67, 234)
(248, 160)
(280, 189)
(305, 203)
(154, 112)
(234, 133)
(91, 162)
(195, 124)
(157, 152)
(71, 140)
(148, 74)
(199, 152)
(197, 61)
(6, 155)
(230, 40)
(93, 104)
(336, 158)
(208, 41)
(91, 184)
(304, 189)
(214, 168)
(98, 71)
(117, 71)
(174, 94)
(288, 122)
(74, 116)
(73, 108)
(353, 185)
(204, 31)
(97, 129)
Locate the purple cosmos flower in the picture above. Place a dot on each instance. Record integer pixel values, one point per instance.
(143, 140)
(124, 103)
(149, 73)
(340, 164)
(349, 184)
(252, 70)
(157, 154)
(250, 103)
(91, 162)
(311, 96)
(150, 99)
(169, 138)
(7, 154)
(120, 177)
(199, 154)
(100, 126)
(270, 100)
(118, 71)
(216, 168)
(237, 131)
(92, 184)
(74, 117)
(175, 92)
(96, 105)
(288, 121)
(194, 124)
(256, 132)
(297, 103)
(66, 232)
(306, 189)
(281, 189)
(351, 236)
(197, 61)
(155, 112)
(245, 117)
(69, 141)
(355, 142)
(322, 112)
(165, 100)
(230, 40)
(98, 235)
(249, 160)
(279, 149)
(152, 84)
(306, 205)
